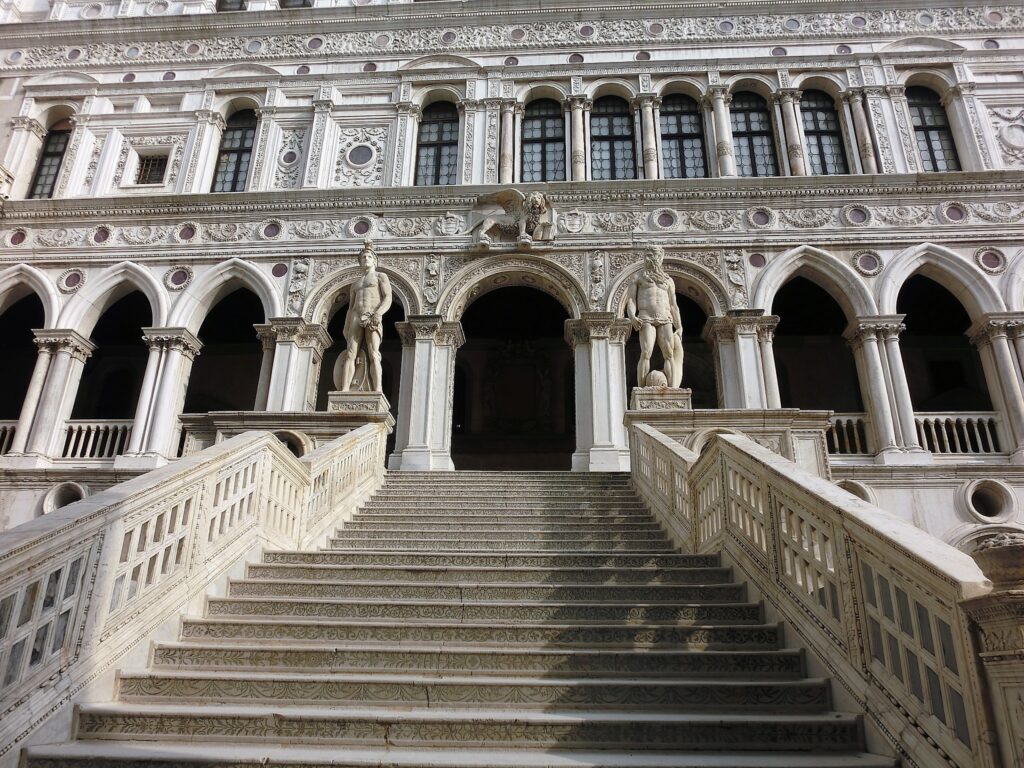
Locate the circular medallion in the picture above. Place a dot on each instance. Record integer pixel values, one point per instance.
(757, 260)
(279, 270)
(177, 277)
(511, 61)
(17, 237)
(867, 263)
(71, 280)
(991, 260)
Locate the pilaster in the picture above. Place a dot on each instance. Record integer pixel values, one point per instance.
(740, 368)
(298, 351)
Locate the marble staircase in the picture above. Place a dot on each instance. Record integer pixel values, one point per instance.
(472, 620)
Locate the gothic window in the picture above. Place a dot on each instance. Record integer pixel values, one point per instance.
(50, 159)
(235, 152)
(931, 127)
(752, 137)
(543, 141)
(437, 153)
(682, 138)
(612, 148)
(825, 151)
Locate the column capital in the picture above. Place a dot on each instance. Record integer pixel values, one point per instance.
(297, 331)
(596, 325)
(210, 117)
(736, 322)
(431, 328)
(873, 91)
(408, 108)
(266, 111)
(646, 100)
(720, 91)
(509, 106)
(322, 106)
(993, 324)
(23, 123)
(64, 340)
(958, 91)
(579, 101)
(181, 339)
(468, 105)
(788, 95)
(879, 326)
(852, 96)
(896, 91)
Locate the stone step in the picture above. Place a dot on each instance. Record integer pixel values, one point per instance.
(512, 662)
(550, 560)
(693, 637)
(410, 690)
(478, 528)
(501, 534)
(425, 610)
(443, 575)
(820, 733)
(461, 593)
(523, 517)
(568, 503)
(155, 754)
(428, 544)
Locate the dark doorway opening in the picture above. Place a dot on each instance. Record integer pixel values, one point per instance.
(18, 353)
(514, 398)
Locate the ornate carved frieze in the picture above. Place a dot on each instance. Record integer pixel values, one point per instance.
(288, 166)
(361, 153)
(1008, 125)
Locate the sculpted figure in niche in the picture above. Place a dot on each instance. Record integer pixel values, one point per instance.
(651, 308)
(368, 299)
(526, 218)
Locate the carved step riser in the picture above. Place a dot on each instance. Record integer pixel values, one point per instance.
(823, 735)
(504, 576)
(495, 504)
(567, 538)
(487, 592)
(803, 697)
(508, 545)
(502, 612)
(484, 560)
(679, 638)
(465, 518)
(478, 528)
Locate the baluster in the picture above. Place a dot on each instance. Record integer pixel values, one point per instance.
(957, 427)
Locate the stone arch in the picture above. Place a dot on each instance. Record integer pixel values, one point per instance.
(686, 86)
(542, 90)
(821, 268)
(708, 290)
(209, 287)
(946, 267)
(21, 279)
(934, 79)
(86, 306)
(330, 291)
(247, 70)
(763, 85)
(611, 86)
(440, 61)
(923, 44)
(1013, 283)
(485, 275)
(238, 103)
(425, 97)
(828, 82)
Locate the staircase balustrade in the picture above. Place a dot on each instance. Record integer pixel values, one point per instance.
(962, 433)
(80, 587)
(6, 436)
(848, 435)
(96, 439)
(876, 598)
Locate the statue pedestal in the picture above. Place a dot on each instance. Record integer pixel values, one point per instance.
(660, 399)
(361, 403)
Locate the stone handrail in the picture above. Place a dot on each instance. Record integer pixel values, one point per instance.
(875, 598)
(81, 589)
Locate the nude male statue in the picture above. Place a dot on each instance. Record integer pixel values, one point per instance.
(369, 298)
(652, 309)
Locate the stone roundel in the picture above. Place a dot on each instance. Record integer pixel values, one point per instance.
(271, 229)
(664, 219)
(954, 212)
(187, 232)
(17, 237)
(70, 280)
(855, 215)
(761, 217)
(991, 260)
(178, 277)
(360, 226)
(868, 263)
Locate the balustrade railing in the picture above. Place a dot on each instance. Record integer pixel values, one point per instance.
(6, 436)
(82, 586)
(848, 435)
(876, 598)
(966, 432)
(96, 439)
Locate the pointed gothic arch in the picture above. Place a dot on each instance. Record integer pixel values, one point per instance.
(209, 287)
(21, 279)
(85, 307)
(821, 268)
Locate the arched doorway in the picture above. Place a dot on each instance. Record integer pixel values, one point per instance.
(18, 352)
(815, 366)
(225, 374)
(514, 399)
(698, 360)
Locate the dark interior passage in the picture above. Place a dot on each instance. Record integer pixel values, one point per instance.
(112, 377)
(225, 374)
(814, 364)
(698, 359)
(514, 400)
(944, 370)
(18, 353)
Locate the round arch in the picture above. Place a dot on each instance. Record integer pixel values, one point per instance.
(1013, 283)
(330, 293)
(18, 281)
(686, 86)
(946, 267)
(933, 79)
(824, 270)
(541, 90)
(826, 82)
(209, 287)
(493, 272)
(237, 103)
(702, 286)
(424, 98)
(85, 307)
(611, 87)
(762, 85)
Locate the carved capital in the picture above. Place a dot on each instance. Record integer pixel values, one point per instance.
(22, 123)
(738, 322)
(210, 117)
(724, 148)
(882, 327)
(408, 108)
(720, 93)
(896, 91)
(852, 96)
(420, 328)
(180, 339)
(596, 325)
(789, 95)
(296, 331)
(579, 103)
(58, 340)
(995, 324)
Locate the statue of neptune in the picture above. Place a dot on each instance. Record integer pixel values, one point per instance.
(368, 299)
(651, 307)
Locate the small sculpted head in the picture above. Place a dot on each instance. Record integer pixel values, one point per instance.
(654, 259)
(367, 256)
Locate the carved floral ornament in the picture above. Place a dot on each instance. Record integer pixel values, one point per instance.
(518, 36)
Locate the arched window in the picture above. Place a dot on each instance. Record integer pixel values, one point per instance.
(235, 152)
(682, 138)
(612, 148)
(825, 151)
(47, 169)
(543, 141)
(931, 127)
(437, 152)
(752, 137)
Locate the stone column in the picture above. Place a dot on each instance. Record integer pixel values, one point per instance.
(68, 352)
(739, 364)
(472, 172)
(147, 394)
(1015, 329)
(863, 339)
(646, 103)
(765, 336)
(299, 347)
(991, 336)
(517, 156)
(862, 132)
(579, 143)
(268, 341)
(790, 100)
(888, 329)
(720, 100)
(998, 619)
(23, 150)
(31, 402)
(598, 342)
(268, 135)
(423, 439)
(506, 160)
